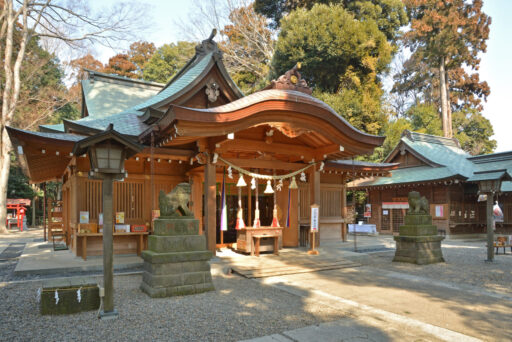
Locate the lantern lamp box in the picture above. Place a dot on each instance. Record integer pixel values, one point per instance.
(84, 217)
(120, 217)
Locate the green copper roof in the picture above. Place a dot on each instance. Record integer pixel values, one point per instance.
(409, 175)
(58, 136)
(105, 96)
(52, 128)
(449, 155)
(186, 79)
(447, 160)
(124, 123)
(127, 121)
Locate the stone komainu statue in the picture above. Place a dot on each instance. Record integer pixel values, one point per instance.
(417, 204)
(176, 200)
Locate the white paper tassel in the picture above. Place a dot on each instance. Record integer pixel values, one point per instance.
(38, 297)
(302, 177)
(230, 172)
(279, 185)
(78, 295)
(56, 297)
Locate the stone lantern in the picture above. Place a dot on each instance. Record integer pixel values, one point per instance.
(489, 183)
(107, 152)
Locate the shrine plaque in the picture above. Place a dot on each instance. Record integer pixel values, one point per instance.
(315, 210)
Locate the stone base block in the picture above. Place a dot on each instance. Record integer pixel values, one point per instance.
(162, 258)
(179, 226)
(68, 301)
(412, 230)
(183, 243)
(419, 250)
(417, 220)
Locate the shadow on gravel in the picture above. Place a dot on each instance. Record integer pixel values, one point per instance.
(239, 309)
(468, 313)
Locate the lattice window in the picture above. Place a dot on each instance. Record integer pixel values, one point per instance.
(304, 201)
(129, 198)
(398, 218)
(330, 202)
(91, 199)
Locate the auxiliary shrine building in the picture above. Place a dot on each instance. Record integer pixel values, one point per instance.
(447, 176)
(292, 149)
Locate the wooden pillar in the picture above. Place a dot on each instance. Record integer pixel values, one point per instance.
(108, 245)
(210, 215)
(44, 211)
(343, 208)
(197, 200)
(490, 228)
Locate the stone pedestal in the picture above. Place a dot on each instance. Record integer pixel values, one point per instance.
(418, 242)
(176, 262)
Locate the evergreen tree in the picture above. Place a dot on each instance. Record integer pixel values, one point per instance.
(448, 36)
(389, 15)
(342, 58)
(167, 61)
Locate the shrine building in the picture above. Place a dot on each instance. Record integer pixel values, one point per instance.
(265, 158)
(448, 177)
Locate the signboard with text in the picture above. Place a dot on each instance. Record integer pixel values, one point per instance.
(315, 214)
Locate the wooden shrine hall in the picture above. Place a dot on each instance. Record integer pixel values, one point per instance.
(255, 163)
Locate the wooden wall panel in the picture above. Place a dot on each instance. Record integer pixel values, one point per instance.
(330, 201)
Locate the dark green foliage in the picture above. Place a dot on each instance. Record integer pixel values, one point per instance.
(18, 186)
(474, 132)
(167, 61)
(336, 51)
(389, 15)
(341, 58)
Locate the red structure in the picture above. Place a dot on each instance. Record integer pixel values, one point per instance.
(19, 205)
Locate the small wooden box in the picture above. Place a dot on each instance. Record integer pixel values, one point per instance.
(136, 228)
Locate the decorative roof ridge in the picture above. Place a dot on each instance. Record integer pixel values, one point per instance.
(430, 138)
(291, 80)
(92, 74)
(492, 157)
(207, 47)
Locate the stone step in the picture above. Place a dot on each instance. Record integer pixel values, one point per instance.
(160, 292)
(177, 267)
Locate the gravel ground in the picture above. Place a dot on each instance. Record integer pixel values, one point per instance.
(238, 309)
(465, 264)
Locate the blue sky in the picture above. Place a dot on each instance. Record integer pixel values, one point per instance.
(495, 67)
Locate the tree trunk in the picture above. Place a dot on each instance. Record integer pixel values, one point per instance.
(444, 100)
(5, 163)
(450, 122)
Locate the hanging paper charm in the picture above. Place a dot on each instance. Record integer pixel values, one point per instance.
(230, 172)
(253, 183)
(56, 297)
(280, 185)
(302, 176)
(79, 295)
